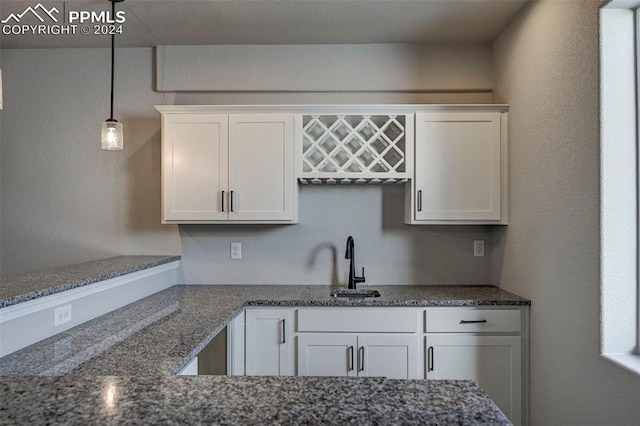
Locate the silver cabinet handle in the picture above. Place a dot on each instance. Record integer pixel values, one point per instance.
(350, 351)
(284, 332)
(361, 358)
(473, 322)
(420, 200)
(430, 359)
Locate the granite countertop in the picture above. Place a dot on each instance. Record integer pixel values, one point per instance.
(116, 369)
(20, 288)
(244, 400)
(162, 333)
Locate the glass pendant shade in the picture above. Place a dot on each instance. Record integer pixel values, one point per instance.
(112, 135)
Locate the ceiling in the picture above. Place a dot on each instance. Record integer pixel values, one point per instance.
(208, 22)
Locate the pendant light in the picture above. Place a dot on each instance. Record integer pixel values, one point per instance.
(112, 131)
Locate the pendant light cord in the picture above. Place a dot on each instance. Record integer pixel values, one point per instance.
(113, 55)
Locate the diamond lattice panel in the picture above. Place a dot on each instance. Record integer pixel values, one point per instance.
(354, 147)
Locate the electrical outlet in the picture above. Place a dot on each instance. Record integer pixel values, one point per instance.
(62, 315)
(478, 247)
(236, 251)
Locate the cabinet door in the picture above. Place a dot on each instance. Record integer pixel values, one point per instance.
(494, 362)
(327, 354)
(457, 166)
(269, 342)
(394, 357)
(262, 181)
(194, 156)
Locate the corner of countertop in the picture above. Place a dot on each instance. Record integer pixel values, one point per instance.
(19, 288)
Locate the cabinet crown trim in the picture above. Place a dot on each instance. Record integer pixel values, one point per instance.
(333, 109)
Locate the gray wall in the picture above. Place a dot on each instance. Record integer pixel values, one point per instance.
(326, 68)
(64, 200)
(546, 68)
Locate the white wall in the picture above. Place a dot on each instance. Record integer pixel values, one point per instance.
(546, 68)
(64, 200)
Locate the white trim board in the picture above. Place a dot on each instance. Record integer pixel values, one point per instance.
(329, 109)
(379, 67)
(618, 188)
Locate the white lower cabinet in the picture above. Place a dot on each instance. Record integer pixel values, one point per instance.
(346, 354)
(487, 345)
(327, 354)
(391, 356)
(494, 362)
(269, 342)
(483, 345)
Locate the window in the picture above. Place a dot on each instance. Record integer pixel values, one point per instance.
(637, 38)
(619, 184)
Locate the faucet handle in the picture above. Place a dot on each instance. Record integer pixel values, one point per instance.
(360, 279)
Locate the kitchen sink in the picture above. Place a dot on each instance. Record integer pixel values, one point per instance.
(354, 293)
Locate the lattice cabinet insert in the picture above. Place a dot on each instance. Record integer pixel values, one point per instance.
(356, 148)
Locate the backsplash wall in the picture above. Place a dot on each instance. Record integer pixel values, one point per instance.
(64, 200)
(312, 252)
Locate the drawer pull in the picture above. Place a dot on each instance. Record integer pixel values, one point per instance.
(472, 322)
(284, 333)
(350, 349)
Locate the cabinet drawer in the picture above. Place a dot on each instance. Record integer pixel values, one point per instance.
(472, 320)
(359, 320)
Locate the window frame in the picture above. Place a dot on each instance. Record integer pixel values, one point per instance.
(637, 94)
(620, 183)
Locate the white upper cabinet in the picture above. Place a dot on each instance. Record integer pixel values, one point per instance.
(222, 168)
(261, 167)
(240, 164)
(460, 168)
(194, 167)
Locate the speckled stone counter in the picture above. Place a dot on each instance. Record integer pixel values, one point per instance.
(162, 333)
(244, 400)
(16, 289)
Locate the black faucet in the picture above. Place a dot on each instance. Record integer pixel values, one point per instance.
(353, 278)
